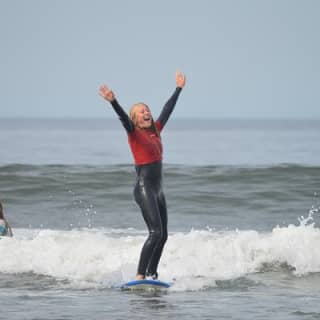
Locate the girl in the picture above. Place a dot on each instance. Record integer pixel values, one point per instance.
(145, 143)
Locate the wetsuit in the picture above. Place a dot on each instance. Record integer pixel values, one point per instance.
(3, 228)
(146, 148)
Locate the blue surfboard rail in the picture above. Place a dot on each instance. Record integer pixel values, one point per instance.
(145, 283)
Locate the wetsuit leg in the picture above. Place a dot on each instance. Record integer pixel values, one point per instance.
(155, 258)
(147, 199)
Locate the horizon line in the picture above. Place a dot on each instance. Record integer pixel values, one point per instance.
(176, 118)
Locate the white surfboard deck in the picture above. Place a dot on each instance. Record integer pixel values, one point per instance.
(146, 284)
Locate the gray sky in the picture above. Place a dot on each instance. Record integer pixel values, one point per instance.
(242, 58)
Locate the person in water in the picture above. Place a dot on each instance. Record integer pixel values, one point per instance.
(5, 229)
(145, 142)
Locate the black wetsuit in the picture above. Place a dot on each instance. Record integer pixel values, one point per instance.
(149, 195)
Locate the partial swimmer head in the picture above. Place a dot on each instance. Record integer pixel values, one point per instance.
(141, 116)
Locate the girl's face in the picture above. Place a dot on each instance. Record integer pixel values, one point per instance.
(141, 116)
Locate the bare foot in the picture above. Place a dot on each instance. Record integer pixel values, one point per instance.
(140, 277)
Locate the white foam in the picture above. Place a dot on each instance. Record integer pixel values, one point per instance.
(104, 258)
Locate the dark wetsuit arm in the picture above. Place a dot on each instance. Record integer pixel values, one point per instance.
(124, 118)
(168, 107)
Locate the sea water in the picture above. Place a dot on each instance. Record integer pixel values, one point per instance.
(243, 204)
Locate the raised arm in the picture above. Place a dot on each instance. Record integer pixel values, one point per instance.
(108, 95)
(170, 104)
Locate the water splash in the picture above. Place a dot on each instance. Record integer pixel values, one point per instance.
(309, 220)
(195, 260)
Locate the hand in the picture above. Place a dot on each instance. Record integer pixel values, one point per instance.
(106, 93)
(180, 79)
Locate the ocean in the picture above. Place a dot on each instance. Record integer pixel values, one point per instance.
(244, 218)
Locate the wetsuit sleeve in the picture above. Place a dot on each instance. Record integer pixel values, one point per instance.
(168, 107)
(124, 118)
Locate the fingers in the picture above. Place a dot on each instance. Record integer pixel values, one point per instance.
(106, 93)
(104, 88)
(180, 79)
(180, 76)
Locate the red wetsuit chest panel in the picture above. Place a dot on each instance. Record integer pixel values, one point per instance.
(146, 146)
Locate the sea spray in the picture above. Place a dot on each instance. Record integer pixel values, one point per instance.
(193, 260)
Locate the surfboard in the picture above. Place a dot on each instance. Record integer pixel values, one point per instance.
(146, 284)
